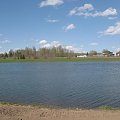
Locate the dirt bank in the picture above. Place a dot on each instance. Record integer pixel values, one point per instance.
(15, 112)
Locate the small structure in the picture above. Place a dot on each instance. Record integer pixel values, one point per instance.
(118, 53)
(81, 56)
(108, 53)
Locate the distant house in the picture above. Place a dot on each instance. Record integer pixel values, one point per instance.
(81, 56)
(118, 53)
(107, 53)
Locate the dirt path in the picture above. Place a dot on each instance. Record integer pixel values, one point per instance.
(12, 112)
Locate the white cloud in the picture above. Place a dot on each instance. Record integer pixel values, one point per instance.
(88, 10)
(118, 49)
(72, 48)
(112, 30)
(69, 27)
(46, 44)
(42, 42)
(94, 44)
(51, 3)
(52, 20)
(55, 44)
(69, 48)
(75, 49)
(85, 7)
(108, 12)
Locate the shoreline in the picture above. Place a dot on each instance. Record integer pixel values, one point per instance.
(104, 107)
(89, 59)
(28, 112)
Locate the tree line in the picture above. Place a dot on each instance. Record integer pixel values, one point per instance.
(33, 53)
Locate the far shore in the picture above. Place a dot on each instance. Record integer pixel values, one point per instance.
(27, 112)
(63, 59)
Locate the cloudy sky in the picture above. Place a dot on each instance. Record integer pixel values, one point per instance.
(79, 25)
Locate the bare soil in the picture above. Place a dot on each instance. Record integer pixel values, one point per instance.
(17, 112)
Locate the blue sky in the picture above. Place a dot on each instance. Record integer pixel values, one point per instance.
(79, 25)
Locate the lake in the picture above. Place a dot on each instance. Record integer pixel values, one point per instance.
(64, 84)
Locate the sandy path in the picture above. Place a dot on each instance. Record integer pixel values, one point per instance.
(12, 112)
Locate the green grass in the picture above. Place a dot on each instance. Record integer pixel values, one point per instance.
(108, 108)
(8, 103)
(90, 59)
(32, 105)
(58, 107)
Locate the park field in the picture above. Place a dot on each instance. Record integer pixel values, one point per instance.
(62, 59)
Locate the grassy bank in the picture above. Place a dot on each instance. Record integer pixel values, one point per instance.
(58, 107)
(90, 59)
(32, 105)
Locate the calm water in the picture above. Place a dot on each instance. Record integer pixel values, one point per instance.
(84, 85)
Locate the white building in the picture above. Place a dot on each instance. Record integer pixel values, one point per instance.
(82, 56)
